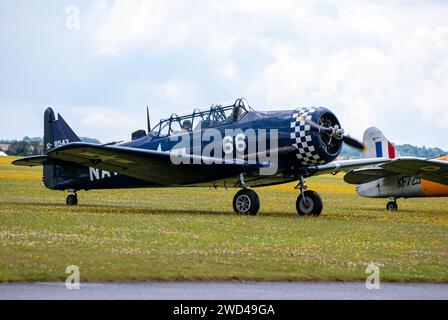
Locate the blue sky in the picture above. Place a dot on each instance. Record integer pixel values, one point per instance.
(374, 63)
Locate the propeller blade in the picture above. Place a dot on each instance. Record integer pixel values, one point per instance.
(318, 127)
(353, 143)
(347, 139)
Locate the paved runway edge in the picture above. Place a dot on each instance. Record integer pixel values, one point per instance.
(223, 291)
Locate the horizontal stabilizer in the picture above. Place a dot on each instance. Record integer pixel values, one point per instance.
(33, 161)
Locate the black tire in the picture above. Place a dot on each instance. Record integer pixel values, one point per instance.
(246, 201)
(72, 200)
(392, 206)
(313, 206)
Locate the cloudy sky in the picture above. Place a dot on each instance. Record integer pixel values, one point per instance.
(99, 63)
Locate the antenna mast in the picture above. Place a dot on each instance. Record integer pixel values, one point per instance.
(148, 120)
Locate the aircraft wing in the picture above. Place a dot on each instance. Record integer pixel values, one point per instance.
(150, 165)
(365, 175)
(429, 169)
(346, 165)
(339, 165)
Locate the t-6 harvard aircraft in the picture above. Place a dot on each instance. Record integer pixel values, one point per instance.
(230, 146)
(403, 177)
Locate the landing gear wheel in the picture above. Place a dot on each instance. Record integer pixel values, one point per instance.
(72, 200)
(246, 201)
(392, 206)
(309, 204)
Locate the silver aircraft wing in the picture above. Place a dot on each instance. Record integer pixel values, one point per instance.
(434, 170)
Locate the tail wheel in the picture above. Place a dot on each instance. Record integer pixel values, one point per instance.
(392, 206)
(309, 203)
(72, 200)
(246, 201)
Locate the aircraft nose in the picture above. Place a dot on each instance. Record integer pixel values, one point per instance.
(314, 146)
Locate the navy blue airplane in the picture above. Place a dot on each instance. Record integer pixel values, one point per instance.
(290, 145)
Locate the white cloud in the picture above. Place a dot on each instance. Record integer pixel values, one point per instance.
(364, 60)
(372, 63)
(103, 123)
(128, 23)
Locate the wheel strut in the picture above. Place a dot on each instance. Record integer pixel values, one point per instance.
(241, 183)
(308, 203)
(302, 187)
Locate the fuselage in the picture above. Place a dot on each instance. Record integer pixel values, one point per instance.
(403, 186)
(288, 143)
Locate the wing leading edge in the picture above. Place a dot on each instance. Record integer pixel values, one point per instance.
(429, 169)
(338, 166)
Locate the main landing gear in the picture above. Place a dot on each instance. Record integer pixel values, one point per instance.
(308, 203)
(72, 199)
(392, 205)
(246, 201)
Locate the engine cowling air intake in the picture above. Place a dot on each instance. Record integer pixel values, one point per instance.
(316, 135)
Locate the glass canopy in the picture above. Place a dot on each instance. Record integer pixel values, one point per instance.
(216, 115)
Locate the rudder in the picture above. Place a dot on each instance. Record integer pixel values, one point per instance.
(56, 133)
(377, 145)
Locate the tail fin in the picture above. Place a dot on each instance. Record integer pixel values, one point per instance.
(377, 145)
(57, 132)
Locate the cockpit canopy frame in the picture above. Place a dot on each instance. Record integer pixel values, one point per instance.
(216, 115)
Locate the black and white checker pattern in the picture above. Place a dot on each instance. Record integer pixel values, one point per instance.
(302, 139)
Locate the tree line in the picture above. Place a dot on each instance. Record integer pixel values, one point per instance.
(404, 150)
(32, 146)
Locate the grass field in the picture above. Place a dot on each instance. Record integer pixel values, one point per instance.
(186, 234)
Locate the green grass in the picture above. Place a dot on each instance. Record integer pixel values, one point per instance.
(186, 234)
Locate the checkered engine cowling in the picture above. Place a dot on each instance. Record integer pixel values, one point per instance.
(306, 139)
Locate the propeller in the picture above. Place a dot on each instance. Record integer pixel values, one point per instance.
(335, 133)
(353, 143)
